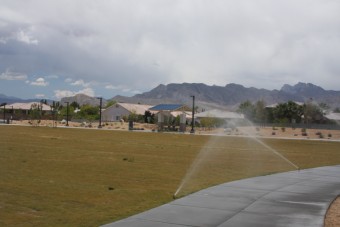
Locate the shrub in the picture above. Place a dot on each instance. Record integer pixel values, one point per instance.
(283, 129)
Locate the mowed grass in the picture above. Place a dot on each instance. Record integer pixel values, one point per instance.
(77, 177)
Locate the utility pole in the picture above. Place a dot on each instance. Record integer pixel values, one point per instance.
(67, 108)
(193, 115)
(4, 105)
(100, 112)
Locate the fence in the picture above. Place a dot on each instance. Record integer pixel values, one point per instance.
(301, 125)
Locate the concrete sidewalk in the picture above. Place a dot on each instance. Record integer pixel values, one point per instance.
(296, 198)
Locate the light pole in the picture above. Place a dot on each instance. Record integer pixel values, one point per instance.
(67, 108)
(12, 115)
(4, 104)
(100, 112)
(193, 115)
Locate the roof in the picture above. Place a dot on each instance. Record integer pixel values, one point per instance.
(136, 108)
(178, 113)
(276, 104)
(167, 107)
(333, 116)
(27, 106)
(220, 114)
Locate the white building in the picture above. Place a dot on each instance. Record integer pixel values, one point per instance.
(333, 116)
(117, 111)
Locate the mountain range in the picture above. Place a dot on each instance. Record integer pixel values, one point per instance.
(231, 95)
(208, 97)
(11, 99)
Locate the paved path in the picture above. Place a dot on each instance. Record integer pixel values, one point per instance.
(296, 198)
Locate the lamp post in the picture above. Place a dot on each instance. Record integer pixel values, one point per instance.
(4, 113)
(4, 104)
(67, 108)
(12, 115)
(100, 111)
(193, 115)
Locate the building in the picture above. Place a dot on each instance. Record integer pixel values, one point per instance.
(118, 111)
(167, 113)
(22, 110)
(334, 117)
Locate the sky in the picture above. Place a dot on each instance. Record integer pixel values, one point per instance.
(51, 49)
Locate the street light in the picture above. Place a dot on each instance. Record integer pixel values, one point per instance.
(100, 112)
(67, 104)
(193, 115)
(4, 104)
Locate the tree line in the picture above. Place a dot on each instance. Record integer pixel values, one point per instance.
(288, 112)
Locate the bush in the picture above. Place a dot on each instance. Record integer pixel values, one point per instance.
(329, 135)
(283, 129)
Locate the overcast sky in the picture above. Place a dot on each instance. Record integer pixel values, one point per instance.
(56, 48)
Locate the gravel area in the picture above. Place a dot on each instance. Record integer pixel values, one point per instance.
(333, 214)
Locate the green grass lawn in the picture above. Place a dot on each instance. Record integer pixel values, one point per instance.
(77, 177)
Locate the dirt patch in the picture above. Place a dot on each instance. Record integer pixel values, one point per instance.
(333, 214)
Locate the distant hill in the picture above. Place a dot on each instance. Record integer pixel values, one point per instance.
(82, 99)
(11, 99)
(231, 95)
(212, 97)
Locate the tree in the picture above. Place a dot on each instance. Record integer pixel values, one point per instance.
(313, 113)
(110, 103)
(133, 116)
(89, 112)
(75, 105)
(260, 111)
(35, 114)
(149, 117)
(288, 112)
(44, 101)
(248, 109)
(55, 108)
(63, 112)
(210, 122)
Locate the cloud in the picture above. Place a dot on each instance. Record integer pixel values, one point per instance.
(68, 80)
(39, 82)
(40, 96)
(80, 83)
(113, 87)
(87, 91)
(67, 93)
(136, 46)
(8, 75)
(26, 38)
(122, 89)
(63, 93)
